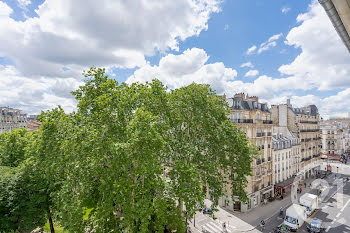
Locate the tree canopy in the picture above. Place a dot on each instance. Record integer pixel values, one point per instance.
(134, 157)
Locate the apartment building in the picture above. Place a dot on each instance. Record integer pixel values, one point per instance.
(304, 123)
(254, 118)
(11, 118)
(286, 154)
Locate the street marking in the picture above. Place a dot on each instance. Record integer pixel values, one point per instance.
(337, 215)
(212, 227)
(329, 227)
(345, 205)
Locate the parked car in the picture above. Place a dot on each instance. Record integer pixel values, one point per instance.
(315, 226)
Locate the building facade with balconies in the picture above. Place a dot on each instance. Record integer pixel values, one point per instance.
(304, 123)
(331, 139)
(286, 153)
(254, 119)
(11, 118)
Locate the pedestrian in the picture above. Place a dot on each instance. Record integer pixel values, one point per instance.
(301, 189)
(262, 224)
(298, 190)
(305, 184)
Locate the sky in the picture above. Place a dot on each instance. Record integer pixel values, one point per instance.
(274, 49)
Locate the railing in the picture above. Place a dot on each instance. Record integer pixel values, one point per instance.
(309, 130)
(242, 120)
(309, 122)
(267, 122)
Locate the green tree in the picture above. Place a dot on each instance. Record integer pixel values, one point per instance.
(12, 147)
(21, 200)
(134, 157)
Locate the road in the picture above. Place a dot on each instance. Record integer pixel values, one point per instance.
(335, 212)
(335, 215)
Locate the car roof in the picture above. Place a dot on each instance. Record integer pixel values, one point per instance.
(316, 221)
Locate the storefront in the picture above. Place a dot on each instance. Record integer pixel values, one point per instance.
(266, 193)
(285, 187)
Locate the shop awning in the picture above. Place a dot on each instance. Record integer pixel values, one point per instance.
(287, 183)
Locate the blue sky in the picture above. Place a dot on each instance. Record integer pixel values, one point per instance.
(300, 57)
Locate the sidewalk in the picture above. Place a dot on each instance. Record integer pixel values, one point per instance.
(203, 223)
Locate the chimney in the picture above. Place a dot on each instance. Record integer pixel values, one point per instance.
(288, 102)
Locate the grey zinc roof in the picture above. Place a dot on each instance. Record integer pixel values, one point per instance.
(241, 104)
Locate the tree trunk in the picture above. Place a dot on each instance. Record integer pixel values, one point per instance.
(52, 229)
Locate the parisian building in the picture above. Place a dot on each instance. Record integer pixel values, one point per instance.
(254, 118)
(11, 118)
(286, 154)
(304, 123)
(331, 139)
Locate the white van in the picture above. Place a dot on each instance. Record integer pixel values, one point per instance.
(295, 217)
(310, 202)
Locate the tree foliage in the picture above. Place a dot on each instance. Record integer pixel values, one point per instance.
(133, 158)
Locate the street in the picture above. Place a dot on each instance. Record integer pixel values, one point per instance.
(334, 207)
(336, 216)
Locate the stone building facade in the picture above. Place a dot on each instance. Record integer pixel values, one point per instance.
(11, 118)
(286, 153)
(331, 139)
(254, 119)
(304, 123)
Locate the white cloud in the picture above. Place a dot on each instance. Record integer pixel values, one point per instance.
(23, 4)
(83, 33)
(5, 10)
(270, 43)
(251, 50)
(84, 36)
(247, 64)
(324, 59)
(190, 66)
(285, 9)
(34, 95)
(251, 73)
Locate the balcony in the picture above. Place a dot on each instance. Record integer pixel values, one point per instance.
(267, 122)
(249, 121)
(258, 162)
(309, 130)
(260, 135)
(269, 134)
(309, 122)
